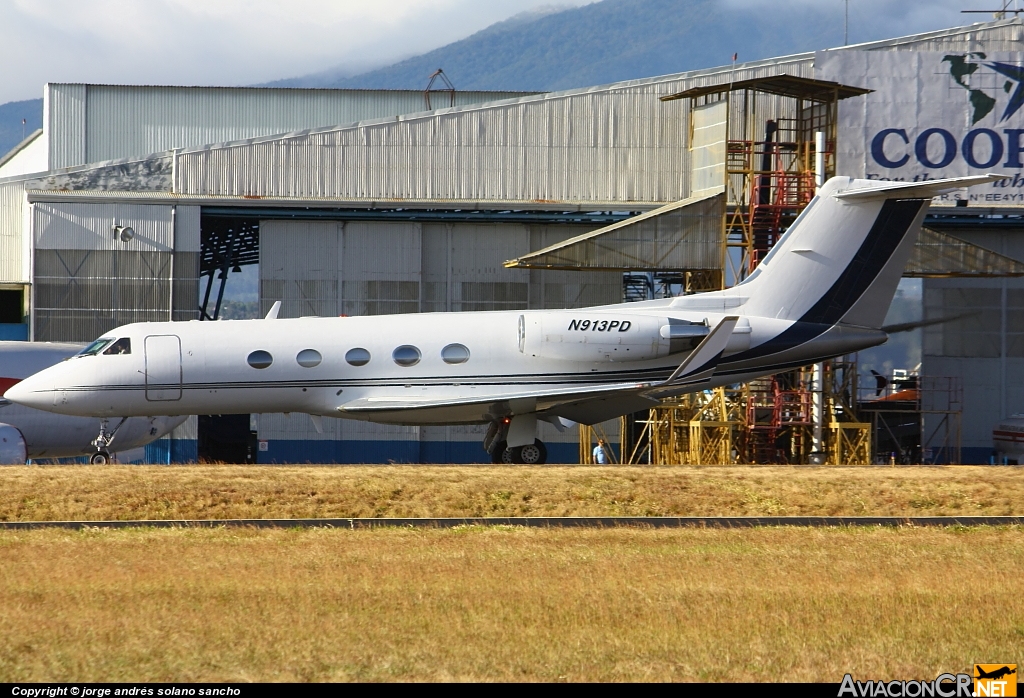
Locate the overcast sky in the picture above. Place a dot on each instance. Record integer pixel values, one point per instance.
(240, 42)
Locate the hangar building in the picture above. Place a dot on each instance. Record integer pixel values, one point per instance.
(399, 209)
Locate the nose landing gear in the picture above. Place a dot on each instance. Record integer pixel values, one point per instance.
(102, 442)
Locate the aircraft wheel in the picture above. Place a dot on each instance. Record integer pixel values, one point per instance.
(100, 458)
(500, 453)
(531, 454)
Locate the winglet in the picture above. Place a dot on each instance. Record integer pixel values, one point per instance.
(274, 310)
(701, 362)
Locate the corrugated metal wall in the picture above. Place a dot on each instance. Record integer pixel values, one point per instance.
(707, 147)
(572, 149)
(88, 281)
(94, 123)
(12, 233)
(64, 122)
(187, 235)
(614, 143)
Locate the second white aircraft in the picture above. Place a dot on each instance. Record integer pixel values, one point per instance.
(823, 291)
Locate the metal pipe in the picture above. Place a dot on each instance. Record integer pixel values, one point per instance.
(174, 170)
(32, 272)
(819, 160)
(170, 295)
(817, 410)
(418, 215)
(224, 276)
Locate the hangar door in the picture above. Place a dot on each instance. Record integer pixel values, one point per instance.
(97, 266)
(327, 268)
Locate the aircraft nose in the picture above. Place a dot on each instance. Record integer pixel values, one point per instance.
(35, 391)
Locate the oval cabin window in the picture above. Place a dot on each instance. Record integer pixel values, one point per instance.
(260, 359)
(455, 354)
(406, 355)
(308, 358)
(358, 357)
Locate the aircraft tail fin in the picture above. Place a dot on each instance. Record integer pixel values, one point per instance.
(841, 260)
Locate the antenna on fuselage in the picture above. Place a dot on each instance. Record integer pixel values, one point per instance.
(274, 310)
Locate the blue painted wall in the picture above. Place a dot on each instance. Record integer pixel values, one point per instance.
(302, 451)
(976, 455)
(13, 332)
(167, 451)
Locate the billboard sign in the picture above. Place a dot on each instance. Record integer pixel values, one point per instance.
(932, 115)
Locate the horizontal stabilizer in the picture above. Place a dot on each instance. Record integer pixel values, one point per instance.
(907, 326)
(703, 360)
(917, 190)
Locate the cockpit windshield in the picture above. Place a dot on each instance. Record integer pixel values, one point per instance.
(121, 346)
(96, 347)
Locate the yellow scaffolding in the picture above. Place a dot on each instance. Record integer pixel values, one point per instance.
(849, 443)
(697, 429)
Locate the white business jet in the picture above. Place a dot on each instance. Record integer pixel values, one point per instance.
(823, 291)
(28, 433)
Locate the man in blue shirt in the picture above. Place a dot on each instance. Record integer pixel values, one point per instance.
(601, 453)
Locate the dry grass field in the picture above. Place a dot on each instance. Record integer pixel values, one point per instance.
(89, 493)
(507, 604)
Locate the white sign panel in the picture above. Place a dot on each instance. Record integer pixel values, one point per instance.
(932, 115)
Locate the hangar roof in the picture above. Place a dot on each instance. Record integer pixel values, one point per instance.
(940, 255)
(684, 235)
(94, 123)
(782, 85)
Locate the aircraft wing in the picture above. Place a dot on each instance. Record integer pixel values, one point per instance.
(545, 399)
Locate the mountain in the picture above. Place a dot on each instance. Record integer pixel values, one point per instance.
(11, 130)
(334, 76)
(625, 39)
(608, 41)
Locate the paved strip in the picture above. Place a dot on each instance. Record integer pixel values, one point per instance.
(543, 522)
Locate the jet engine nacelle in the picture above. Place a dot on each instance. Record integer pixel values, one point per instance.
(598, 337)
(12, 446)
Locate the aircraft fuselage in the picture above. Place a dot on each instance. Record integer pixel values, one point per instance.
(355, 367)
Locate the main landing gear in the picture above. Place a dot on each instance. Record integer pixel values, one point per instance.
(102, 442)
(496, 444)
